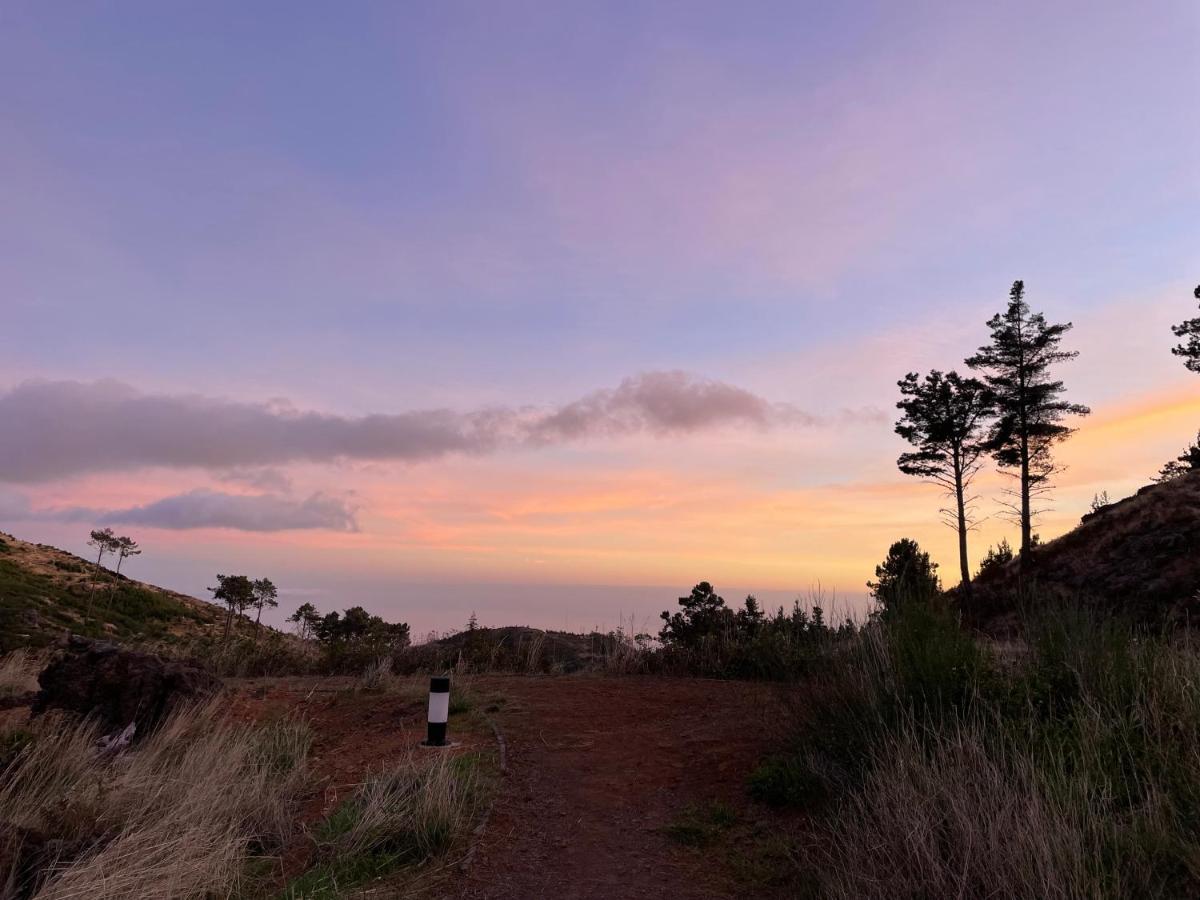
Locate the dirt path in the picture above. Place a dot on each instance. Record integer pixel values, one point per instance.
(597, 767)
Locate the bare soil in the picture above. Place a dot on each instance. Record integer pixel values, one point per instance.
(598, 768)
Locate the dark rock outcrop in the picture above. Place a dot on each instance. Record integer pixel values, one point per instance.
(117, 686)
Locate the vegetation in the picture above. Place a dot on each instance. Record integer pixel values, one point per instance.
(996, 559)
(907, 575)
(237, 593)
(1190, 331)
(182, 815)
(1029, 407)
(350, 641)
(1187, 461)
(401, 817)
(1081, 752)
(705, 637)
(944, 416)
(36, 608)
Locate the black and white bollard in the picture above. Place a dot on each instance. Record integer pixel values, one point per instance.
(439, 710)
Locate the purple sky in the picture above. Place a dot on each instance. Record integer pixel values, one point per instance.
(437, 213)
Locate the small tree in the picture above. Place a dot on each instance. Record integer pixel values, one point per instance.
(704, 614)
(997, 558)
(105, 542)
(265, 594)
(1185, 462)
(237, 593)
(943, 418)
(1029, 405)
(125, 548)
(907, 576)
(1190, 349)
(306, 618)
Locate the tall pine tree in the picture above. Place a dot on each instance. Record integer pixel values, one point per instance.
(1017, 366)
(1190, 351)
(944, 418)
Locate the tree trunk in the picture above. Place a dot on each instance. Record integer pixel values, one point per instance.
(1026, 516)
(257, 624)
(92, 592)
(960, 498)
(228, 622)
(120, 559)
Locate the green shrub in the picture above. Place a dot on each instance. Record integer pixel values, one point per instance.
(1071, 771)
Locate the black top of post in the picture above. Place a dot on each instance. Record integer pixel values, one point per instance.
(439, 684)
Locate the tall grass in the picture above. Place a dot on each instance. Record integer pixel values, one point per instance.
(406, 815)
(178, 816)
(18, 673)
(1070, 770)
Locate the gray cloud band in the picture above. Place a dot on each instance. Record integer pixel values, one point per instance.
(203, 508)
(53, 429)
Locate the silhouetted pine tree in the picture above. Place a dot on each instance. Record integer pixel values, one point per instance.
(1029, 405)
(944, 417)
(1190, 351)
(906, 576)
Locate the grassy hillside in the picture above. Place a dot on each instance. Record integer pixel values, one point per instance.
(1139, 557)
(44, 592)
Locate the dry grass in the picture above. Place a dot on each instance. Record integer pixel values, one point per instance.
(181, 815)
(953, 820)
(406, 816)
(18, 672)
(1073, 772)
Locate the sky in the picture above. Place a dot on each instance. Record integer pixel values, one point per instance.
(550, 311)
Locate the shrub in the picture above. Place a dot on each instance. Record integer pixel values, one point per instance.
(1070, 772)
(906, 576)
(707, 638)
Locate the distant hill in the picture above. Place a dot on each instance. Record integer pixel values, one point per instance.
(515, 648)
(1138, 557)
(44, 593)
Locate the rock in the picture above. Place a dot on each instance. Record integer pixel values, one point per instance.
(16, 701)
(118, 686)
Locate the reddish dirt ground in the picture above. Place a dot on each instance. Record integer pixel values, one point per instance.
(597, 767)
(353, 734)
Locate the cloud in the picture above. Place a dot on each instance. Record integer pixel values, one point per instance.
(60, 428)
(263, 479)
(661, 403)
(203, 508)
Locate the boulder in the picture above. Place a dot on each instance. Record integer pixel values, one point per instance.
(117, 686)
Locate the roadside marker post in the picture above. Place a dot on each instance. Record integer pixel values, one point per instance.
(439, 710)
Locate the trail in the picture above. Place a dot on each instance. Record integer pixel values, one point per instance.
(597, 767)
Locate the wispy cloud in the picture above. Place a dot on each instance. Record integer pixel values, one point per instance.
(203, 508)
(63, 428)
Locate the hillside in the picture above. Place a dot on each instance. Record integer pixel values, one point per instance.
(44, 592)
(1138, 557)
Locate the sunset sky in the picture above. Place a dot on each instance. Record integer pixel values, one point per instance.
(548, 311)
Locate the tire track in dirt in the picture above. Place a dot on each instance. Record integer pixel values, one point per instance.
(598, 766)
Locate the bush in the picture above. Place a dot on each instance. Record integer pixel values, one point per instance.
(1069, 772)
(707, 638)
